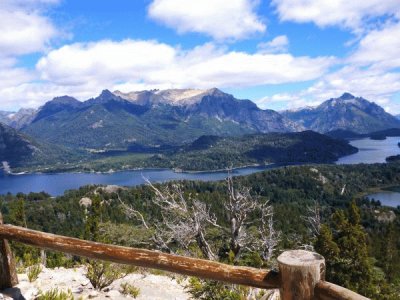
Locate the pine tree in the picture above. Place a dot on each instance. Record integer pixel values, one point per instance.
(325, 246)
(345, 250)
(93, 219)
(390, 263)
(18, 213)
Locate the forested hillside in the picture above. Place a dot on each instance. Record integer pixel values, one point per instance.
(215, 153)
(296, 195)
(21, 151)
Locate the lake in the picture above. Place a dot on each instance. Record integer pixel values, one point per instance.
(56, 184)
(371, 151)
(386, 198)
(375, 151)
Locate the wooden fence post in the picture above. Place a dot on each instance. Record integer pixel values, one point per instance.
(300, 271)
(8, 272)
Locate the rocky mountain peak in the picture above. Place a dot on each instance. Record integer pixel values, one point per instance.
(347, 96)
(216, 92)
(174, 97)
(65, 100)
(345, 113)
(107, 95)
(181, 96)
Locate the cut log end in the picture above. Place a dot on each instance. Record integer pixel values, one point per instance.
(300, 271)
(300, 258)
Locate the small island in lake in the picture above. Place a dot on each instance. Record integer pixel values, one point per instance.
(378, 137)
(393, 158)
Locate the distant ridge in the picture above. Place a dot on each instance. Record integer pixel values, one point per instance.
(115, 120)
(347, 112)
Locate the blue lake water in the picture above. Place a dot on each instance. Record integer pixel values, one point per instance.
(375, 151)
(56, 184)
(370, 151)
(386, 198)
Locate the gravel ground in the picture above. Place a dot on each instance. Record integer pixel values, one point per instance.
(154, 287)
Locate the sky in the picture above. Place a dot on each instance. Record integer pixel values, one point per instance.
(281, 54)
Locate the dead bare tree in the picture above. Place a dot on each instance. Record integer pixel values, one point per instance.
(184, 218)
(270, 237)
(239, 205)
(160, 238)
(133, 213)
(313, 218)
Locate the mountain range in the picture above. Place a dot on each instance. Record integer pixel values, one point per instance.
(169, 118)
(151, 118)
(168, 124)
(154, 118)
(345, 113)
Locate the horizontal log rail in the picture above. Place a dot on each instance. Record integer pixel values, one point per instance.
(306, 286)
(144, 258)
(329, 291)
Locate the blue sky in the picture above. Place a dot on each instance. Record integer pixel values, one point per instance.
(282, 54)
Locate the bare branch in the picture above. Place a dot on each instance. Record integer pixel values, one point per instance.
(239, 205)
(270, 237)
(185, 218)
(133, 213)
(313, 218)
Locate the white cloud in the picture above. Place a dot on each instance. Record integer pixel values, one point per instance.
(343, 13)
(370, 71)
(106, 62)
(150, 63)
(33, 94)
(83, 69)
(372, 84)
(284, 101)
(24, 29)
(379, 48)
(220, 19)
(276, 45)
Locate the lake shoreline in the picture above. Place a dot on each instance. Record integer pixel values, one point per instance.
(56, 183)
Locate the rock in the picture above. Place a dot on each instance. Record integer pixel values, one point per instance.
(85, 201)
(77, 290)
(85, 283)
(93, 294)
(22, 277)
(13, 293)
(31, 293)
(113, 294)
(385, 216)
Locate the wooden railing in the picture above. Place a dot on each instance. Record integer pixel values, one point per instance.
(300, 275)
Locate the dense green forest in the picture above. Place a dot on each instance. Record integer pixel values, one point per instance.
(359, 238)
(216, 153)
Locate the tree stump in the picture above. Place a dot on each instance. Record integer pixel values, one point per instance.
(300, 271)
(8, 272)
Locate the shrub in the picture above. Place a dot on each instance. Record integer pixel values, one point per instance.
(33, 272)
(213, 290)
(102, 274)
(55, 294)
(128, 289)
